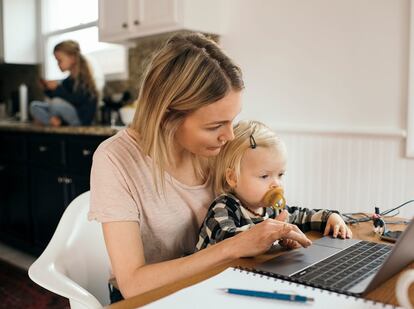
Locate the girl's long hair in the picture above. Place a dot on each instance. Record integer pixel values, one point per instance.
(83, 78)
(189, 72)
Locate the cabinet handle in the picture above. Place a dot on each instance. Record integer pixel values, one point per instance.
(86, 152)
(42, 148)
(136, 22)
(124, 25)
(65, 180)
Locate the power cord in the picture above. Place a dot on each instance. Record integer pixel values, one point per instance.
(395, 208)
(378, 217)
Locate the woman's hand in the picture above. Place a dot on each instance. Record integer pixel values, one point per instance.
(287, 243)
(338, 227)
(260, 237)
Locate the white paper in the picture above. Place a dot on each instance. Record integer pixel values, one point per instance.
(207, 294)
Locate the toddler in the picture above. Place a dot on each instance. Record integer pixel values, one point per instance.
(245, 170)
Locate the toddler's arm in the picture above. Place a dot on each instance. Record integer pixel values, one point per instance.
(308, 219)
(220, 223)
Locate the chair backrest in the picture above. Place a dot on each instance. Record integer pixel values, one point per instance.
(75, 263)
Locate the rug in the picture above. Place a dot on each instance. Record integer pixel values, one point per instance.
(18, 291)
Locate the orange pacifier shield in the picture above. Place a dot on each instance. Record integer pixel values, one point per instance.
(274, 198)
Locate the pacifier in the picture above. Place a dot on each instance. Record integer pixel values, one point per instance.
(274, 198)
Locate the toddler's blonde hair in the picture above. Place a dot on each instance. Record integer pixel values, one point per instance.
(232, 153)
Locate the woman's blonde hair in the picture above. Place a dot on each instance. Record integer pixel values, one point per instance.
(83, 79)
(189, 72)
(247, 134)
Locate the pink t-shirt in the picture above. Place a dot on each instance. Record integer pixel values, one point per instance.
(122, 189)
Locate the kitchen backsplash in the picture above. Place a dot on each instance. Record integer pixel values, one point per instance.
(12, 75)
(139, 57)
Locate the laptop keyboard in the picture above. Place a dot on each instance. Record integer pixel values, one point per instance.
(346, 268)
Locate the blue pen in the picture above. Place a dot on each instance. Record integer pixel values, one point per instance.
(272, 295)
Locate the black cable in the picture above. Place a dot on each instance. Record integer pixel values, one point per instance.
(399, 206)
(352, 220)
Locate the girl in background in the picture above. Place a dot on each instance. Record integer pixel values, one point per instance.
(74, 100)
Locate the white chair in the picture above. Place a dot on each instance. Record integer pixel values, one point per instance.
(75, 263)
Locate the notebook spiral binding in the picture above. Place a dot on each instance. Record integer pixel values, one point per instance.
(292, 281)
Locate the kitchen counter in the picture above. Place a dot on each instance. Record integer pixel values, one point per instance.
(10, 125)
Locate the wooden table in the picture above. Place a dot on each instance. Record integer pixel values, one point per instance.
(384, 293)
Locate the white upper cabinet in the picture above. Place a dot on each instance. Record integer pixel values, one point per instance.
(123, 20)
(114, 18)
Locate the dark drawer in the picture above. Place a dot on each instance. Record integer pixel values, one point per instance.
(79, 154)
(13, 146)
(47, 151)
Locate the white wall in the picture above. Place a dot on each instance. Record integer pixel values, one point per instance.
(331, 77)
(350, 173)
(331, 63)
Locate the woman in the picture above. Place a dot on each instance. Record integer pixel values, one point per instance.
(150, 183)
(74, 100)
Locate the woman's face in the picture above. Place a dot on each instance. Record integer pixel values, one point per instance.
(205, 131)
(65, 61)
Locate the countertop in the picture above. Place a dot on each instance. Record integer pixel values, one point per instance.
(12, 125)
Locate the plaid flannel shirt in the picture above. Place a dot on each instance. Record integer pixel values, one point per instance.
(227, 217)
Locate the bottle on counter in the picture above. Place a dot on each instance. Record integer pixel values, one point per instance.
(23, 102)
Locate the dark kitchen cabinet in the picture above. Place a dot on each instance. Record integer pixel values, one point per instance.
(51, 192)
(13, 147)
(47, 150)
(61, 168)
(77, 184)
(15, 216)
(15, 219)
(79, 154)
(40, 174)
(48, 203)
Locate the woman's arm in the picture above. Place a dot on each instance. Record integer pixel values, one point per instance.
(124, 245)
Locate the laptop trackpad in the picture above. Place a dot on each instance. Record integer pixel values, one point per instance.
(292, 261)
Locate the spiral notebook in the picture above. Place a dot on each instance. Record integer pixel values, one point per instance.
(208, 294)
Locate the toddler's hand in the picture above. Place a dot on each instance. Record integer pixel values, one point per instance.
(337, 226)
(282, 216)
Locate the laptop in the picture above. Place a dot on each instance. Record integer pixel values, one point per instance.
(347, 266)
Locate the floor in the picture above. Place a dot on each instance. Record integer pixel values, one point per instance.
(17, 290)
(15, 257)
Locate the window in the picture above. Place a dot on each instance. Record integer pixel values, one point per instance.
(77, 20)
(63, 14)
